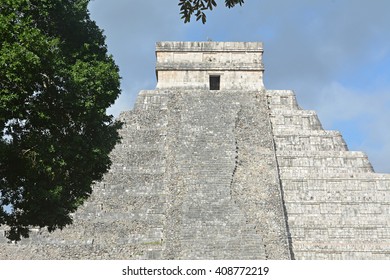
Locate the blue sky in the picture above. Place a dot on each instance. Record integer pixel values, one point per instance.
(335, 55)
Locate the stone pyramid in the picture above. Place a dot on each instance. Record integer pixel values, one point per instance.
(214, 166)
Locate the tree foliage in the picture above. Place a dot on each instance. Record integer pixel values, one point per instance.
(188, 8)
(56, 81)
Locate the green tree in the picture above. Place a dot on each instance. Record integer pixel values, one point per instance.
(197, 8)
(56, 81)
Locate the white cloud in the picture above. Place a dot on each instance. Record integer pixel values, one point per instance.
(361, 115)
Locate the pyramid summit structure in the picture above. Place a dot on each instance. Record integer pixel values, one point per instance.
(212, 165)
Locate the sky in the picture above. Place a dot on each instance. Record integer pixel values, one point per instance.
(334, 54)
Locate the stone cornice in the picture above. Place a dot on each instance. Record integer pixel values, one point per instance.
(209, 46)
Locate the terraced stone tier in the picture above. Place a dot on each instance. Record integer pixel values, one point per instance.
(337, 207)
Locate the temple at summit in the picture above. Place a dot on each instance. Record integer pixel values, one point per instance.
(212, 165)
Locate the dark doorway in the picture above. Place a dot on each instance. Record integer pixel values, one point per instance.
(214, 82)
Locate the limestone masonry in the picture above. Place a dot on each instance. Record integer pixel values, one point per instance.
(214, 166)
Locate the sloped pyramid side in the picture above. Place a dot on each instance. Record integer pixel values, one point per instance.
(195, 177)
(337, 207)
(124, 217)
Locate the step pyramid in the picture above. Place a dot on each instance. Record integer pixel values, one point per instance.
(214, 166)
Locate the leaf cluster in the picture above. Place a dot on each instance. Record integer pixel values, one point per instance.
(56, 82)
(188, 8)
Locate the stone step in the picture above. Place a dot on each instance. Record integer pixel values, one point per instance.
(335, 220)
(151, 100)
(144, 137)
(333, 184)
(323, 159)
(143, 120)
(248, 247)
(314, 140)
(340, 195)
(338, 207)
(282, 99)
(370, 176)
(125, 171)
(338, 233)
(343, 249)
(295, 119)
(299, 171)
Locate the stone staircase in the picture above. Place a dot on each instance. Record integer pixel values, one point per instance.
(213, 226)
(209, 218)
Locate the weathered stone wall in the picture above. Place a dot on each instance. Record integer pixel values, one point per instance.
(337, 207)
(188, 65)
(125, 216)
